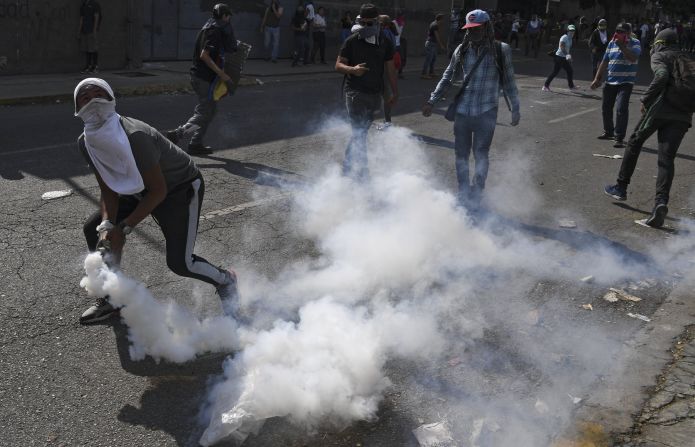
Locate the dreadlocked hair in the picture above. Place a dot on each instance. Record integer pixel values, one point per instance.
(488, 38)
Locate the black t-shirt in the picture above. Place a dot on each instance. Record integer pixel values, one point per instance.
(431, 36)
(300, 21)
(88, 10)
(216, 40)
(357, 51)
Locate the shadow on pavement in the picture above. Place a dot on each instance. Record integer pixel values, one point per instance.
(258, 173)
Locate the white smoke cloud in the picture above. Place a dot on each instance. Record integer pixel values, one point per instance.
(162, 330)
(402, 273)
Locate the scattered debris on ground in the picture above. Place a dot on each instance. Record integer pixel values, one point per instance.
(436, 434)
(614, 157)
(588, 279)
(587, 306)
(639, 317)
(50, 195)
(566, 223)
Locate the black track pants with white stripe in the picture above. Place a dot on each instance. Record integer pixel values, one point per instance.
(177, 216)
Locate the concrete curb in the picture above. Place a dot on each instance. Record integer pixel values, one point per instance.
(618, 401)
(139, 90)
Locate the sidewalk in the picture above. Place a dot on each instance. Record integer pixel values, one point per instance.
(155, 78)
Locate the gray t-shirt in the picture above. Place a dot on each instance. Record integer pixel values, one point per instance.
(151, 148)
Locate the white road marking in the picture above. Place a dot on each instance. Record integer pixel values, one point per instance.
(583, 112)
(244, 206)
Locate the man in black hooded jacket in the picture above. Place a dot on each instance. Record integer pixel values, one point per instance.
(214, 40)
(662, 114)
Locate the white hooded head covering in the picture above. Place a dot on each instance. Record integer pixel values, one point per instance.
(106, 141)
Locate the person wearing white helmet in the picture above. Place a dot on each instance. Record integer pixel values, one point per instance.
(562, 57)
(141, 173)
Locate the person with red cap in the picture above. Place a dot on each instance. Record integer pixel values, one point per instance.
(486, 66)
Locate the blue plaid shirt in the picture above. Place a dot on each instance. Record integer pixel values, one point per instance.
(483, 90)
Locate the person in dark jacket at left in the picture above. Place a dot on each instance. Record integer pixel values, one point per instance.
(598, 41)
(214, 40)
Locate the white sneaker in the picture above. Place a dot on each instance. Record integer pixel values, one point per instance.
(100, 311)
(384, 126)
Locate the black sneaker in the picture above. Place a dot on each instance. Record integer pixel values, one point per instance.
(656, 220)
(173, 135)
(616, 191)
(100, 311)
(606, 136)
(619, 143)
(198, 149)
(229, 294)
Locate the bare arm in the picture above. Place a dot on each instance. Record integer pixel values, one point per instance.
(391, 72)
(265, 16)
(156, 192)
(278, 12)
(599, 74)
(627, 51)
(79, 30)
(439, 39)
(108, 202)
(341, 66)
(96, 22)
(205, 57)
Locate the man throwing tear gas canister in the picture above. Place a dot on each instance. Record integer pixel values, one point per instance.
(141, 173)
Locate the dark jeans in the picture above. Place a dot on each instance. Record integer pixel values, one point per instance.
(533, 41)
(561, 62)
(301, 48)
(177, 216)
(596, 59)
(319, 46)
(618, 95)
(360, 108)
(514, 37)
(670, 133)
(473, 132)
(204, 112)
(430, 58)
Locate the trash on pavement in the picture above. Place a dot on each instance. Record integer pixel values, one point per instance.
(259, 82)
(455, 361)
(541, 407)
(623, 295)
(588, 279)
(587, 306)
(50, 195)
(614, 157)
(611, 297)
(565, 223)
(436, 434)
(639, 317)
(575, 399)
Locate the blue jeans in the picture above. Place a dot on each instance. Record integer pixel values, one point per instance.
(474, 132)
(430, 58)
(272, 37)
(360, 107)
(616, 95)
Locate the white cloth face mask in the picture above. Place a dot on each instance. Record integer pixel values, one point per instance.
(97, 111)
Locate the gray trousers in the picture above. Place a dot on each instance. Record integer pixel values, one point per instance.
(204, 112)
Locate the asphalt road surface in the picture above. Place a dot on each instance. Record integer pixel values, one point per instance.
(66, 384)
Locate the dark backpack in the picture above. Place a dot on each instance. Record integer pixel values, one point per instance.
(681, 89)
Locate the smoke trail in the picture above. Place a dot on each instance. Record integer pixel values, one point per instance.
(161, 330)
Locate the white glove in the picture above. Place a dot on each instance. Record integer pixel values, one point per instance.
(569, 58)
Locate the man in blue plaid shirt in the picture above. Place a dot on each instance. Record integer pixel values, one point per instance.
(476, 112)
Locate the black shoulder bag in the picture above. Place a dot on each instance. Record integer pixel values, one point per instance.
(450, 114)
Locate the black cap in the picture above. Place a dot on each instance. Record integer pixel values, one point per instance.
(625, 27)
(220, 10)
(368, 11)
